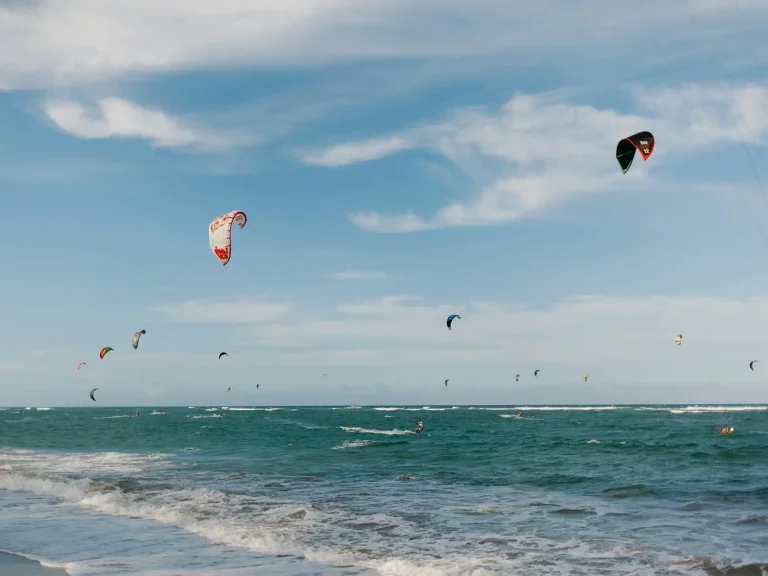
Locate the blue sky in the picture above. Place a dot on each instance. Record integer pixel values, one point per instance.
(398, 161)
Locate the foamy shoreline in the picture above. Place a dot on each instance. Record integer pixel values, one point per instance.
(15, 565)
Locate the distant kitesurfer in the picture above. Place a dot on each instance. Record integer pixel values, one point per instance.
(419, 426)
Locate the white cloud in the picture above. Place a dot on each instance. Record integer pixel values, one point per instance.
(116, 118)
(544, 152)
(48, 42)
(345, 154)
(358, 275)
(235, 312)
(403, 330)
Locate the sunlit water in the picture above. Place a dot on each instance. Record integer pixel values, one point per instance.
(332, 491)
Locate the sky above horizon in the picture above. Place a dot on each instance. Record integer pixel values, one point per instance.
(398, 162)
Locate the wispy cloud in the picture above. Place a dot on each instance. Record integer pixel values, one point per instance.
(406, 330)
(47, 43)
(358, 275)
(545, 152)
(231, 312)
(353, 153)
(117, 118)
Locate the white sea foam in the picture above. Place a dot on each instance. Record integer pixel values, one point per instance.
(352, 444)
(337, 534)
(370, 431)
(703, 409)
(115, 462)
(566, 408)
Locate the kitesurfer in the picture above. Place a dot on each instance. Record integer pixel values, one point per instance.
(520, 414)
(137, 414)
(419, 426)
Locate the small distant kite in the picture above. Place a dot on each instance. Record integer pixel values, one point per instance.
(136, 336)
(323, 376)
(517, 377)
(679, 339)
(223, 354)
(644, 142)
(450, 320)
(536, 373)
(220, 234)
(91, 394)
(751, 365)
(228, 389)
(81, 364)
(585, 377)
(104, 351)
(446, 382)
(257, 386)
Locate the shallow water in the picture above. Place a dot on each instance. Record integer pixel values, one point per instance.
(562, 490)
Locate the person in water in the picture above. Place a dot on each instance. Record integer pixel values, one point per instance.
(419, 426)
(519, 414)
(137, 414)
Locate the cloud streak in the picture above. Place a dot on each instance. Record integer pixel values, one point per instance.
(46, 43)
(538, 152)
(352, 153)
(233, 312)
(358, 275)
(117, 118)
(405, 330)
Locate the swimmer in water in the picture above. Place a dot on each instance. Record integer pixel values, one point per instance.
(137, 414)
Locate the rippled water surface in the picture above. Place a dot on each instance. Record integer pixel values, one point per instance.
(350, 490)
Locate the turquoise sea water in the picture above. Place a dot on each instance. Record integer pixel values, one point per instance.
(350, 490)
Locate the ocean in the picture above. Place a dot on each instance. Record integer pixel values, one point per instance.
(350, 490)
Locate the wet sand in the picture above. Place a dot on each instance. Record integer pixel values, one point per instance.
(12, 565)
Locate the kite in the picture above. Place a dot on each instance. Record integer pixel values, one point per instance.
(536, 373)
(750, 365)
(626, 148)
(585, 377)
(220, 234)
(104, 351)
(446, 382)
(517, 377)
(81, 364)
(223, 354)
(136, 336)
(91, 394)
(679, 339)
(450, 320)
